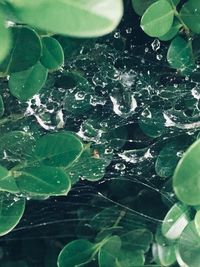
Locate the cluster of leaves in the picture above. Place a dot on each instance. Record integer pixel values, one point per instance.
(37, 165)
(176, 21)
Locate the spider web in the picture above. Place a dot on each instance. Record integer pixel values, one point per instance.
(143, 72)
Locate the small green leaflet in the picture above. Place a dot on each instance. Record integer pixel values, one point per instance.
(25, 84)
(158, 18)
(52, 53)
(11, 211)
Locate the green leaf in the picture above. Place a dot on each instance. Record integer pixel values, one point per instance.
(172, 32)
(175, 221)
(112, 245)
(152, 122)
(164, 255)
(5, 37)
(189, 246)
(1, 106)
(108, 253)
(187, 176)
(58, 149)
(52, 53)
(140, 6)
(89, 18)
(190, 14)
(197, 221)
(106, 218)
(179, 54)
(25, 52)
(11, 211)
(159, 13)
(7, 181)
(42, 180)
(168, 157)
(138, 239)
(26, 84)
(15, 146)
(77, 100)
(76, 253)
(131, 258)
(87, 167)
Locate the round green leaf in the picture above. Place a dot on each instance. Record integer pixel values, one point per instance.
(159, 13)
(1, 106)
(189, 246)
(11, 211)
(105, 219)
(131, 258)
(175, 221)
(52, 53)
(108, 253)
(197, 221)
(75, 18)
(15, 146)
(77, 100)
(5, 38)
(139, 239)
(76, 253)
(163, 250)
(164, 255)
(87, 167)
(58, 149)
(168, 157)
(26, 84)
(42, 180)
(172, 32)
(152, 122)
(190, 14)
(179, 54)
(186, 179)
(141, 5)
(25, 51)
(7, 181)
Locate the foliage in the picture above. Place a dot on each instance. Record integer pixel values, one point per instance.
(48, 76)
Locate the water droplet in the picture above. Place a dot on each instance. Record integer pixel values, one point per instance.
(117, 35)
(129, 30)
(108, 151)
(120, 166)
(180, 154)
(80, 95)
(159, 57)
(155, 45)
(122, 110)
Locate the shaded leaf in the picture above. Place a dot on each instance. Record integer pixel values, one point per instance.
(52, 53)
(75, 253)
(25, 52)
(26, 84)
(58, 149)
(11, 211)
(42, 180)
(190, 14)
(179, 54)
